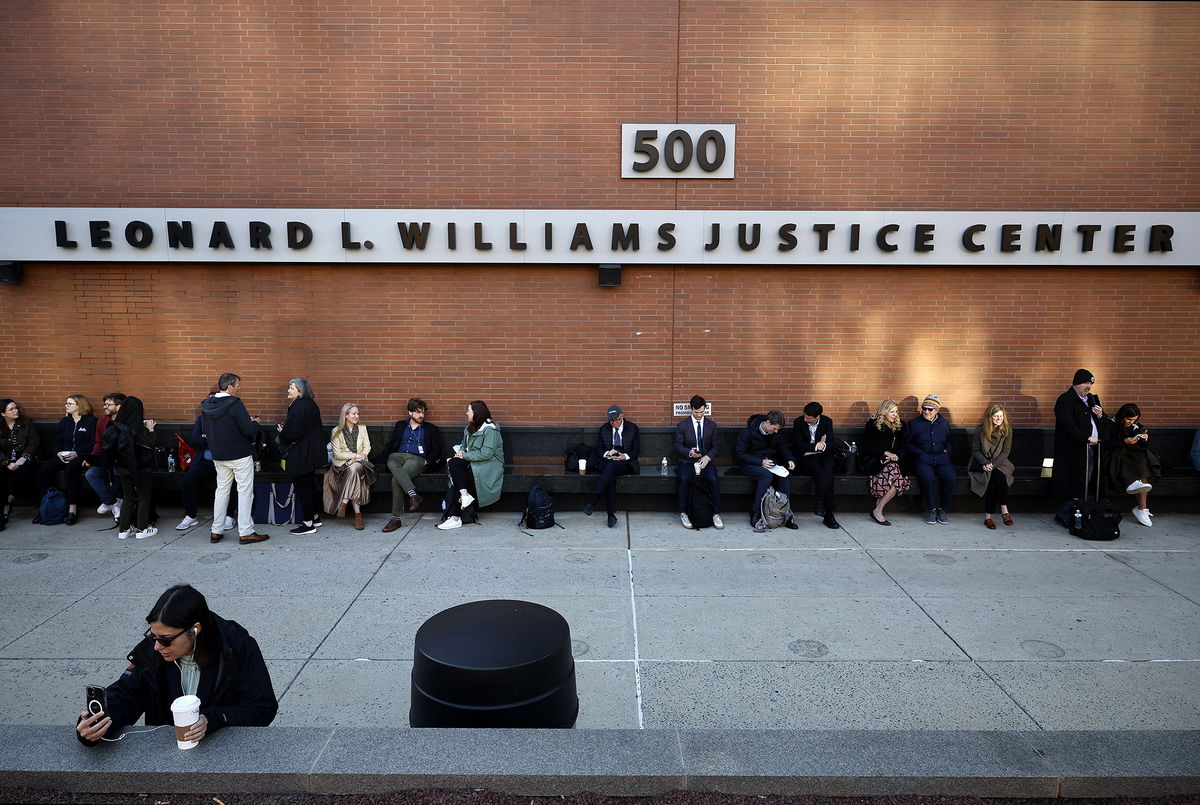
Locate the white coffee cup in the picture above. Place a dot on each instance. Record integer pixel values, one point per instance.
(186, 712)
(582, 466)
(697, 467)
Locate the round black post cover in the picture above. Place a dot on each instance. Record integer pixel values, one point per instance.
(494, 664)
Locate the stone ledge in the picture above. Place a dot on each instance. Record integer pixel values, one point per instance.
(613, 762)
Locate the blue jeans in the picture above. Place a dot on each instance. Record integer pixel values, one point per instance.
(106, 491)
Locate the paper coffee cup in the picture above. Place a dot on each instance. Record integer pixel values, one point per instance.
(582, 466)
(697, 467)
(186, 712)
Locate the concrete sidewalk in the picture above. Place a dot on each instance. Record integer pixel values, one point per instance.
(865, 628)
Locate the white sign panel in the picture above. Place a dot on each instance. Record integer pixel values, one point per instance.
(630, 237)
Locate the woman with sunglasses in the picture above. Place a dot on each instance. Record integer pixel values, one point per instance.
(188, 650)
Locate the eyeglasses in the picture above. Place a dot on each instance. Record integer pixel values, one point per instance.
(163, 641)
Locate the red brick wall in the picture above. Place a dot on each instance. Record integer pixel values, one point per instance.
(953, 105)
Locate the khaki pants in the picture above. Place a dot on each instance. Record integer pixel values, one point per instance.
(403, 467)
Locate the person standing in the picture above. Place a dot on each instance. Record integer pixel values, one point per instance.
(761, 449)
(303, 445)
(129, 447)
(415, 446)
(230, 431)
(811, 434)
(990, 470)
(929, 445)
(618, 446)
(697, 442)
(1079, 427)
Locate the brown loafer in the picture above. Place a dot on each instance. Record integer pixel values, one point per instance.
(358, 523)
(215, 537)
(413, 502)
(255, 537)
(989, 523)
(392, 525)
(1006, 517)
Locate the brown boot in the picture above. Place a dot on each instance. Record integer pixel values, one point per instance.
(358, 523)
(341, 510)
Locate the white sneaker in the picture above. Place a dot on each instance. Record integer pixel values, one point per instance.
(1138, 486)
(186, 523)
(116, 509)
(229, 523)
(127, 533)
(104, 508)
(1141, 515)
(687, 522)
(149, 532)
(451, 522)
(466, 500)
(717, 524)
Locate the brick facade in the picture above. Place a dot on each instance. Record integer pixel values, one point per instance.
(862, 106)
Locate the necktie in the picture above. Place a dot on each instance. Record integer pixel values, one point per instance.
(699, 449)
(616, 438)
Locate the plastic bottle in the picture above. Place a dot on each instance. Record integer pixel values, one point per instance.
(170, 462)
(662, 468)
(1078, 520)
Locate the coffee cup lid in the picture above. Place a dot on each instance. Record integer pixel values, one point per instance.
(185, 703)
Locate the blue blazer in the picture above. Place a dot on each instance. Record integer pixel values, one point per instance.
(631, 444)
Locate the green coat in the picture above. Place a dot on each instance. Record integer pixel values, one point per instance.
(485, 450)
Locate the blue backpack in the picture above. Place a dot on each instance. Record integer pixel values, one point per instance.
(539, 510)
(53, 508)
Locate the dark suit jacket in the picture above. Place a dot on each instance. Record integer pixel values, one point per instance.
(631, 444)
(685, 440)
(801, 444)
(1072, 428)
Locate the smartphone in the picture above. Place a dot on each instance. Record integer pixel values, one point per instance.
(97, 699)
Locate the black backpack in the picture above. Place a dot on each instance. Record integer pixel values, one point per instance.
(700, 505)
(539, 510)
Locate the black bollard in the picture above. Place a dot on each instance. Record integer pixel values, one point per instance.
(494, 664)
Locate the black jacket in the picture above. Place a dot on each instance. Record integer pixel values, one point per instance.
(431, 441)
(228, 426)
(753, 445)
(801, 443)
(873, 442)
(77, 437)
(1073, 420)
(305, 437)
(235, 689)
(631, 444)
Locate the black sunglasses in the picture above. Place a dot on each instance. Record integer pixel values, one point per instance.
(163, 641)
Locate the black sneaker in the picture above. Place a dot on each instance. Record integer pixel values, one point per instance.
(931, 518)
(317, 522)
(942, 518)
(303, 529)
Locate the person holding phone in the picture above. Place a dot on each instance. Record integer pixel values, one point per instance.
(1079, 428)
(187, 650)
(1131, 464)
(302, 440)
(618, 446)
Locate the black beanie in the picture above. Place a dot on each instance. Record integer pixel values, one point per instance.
(1083, 376)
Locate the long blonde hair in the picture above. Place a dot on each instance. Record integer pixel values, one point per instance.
(883, 408)
(342, 416)
(987, 426)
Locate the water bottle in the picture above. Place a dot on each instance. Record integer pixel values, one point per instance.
(1078, 520)
(170, 462)
(662, 468)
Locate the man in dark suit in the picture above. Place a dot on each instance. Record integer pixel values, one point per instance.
(616, 453)
(697, 442)
(812, 434)
(1079, 427)
(760, 447)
